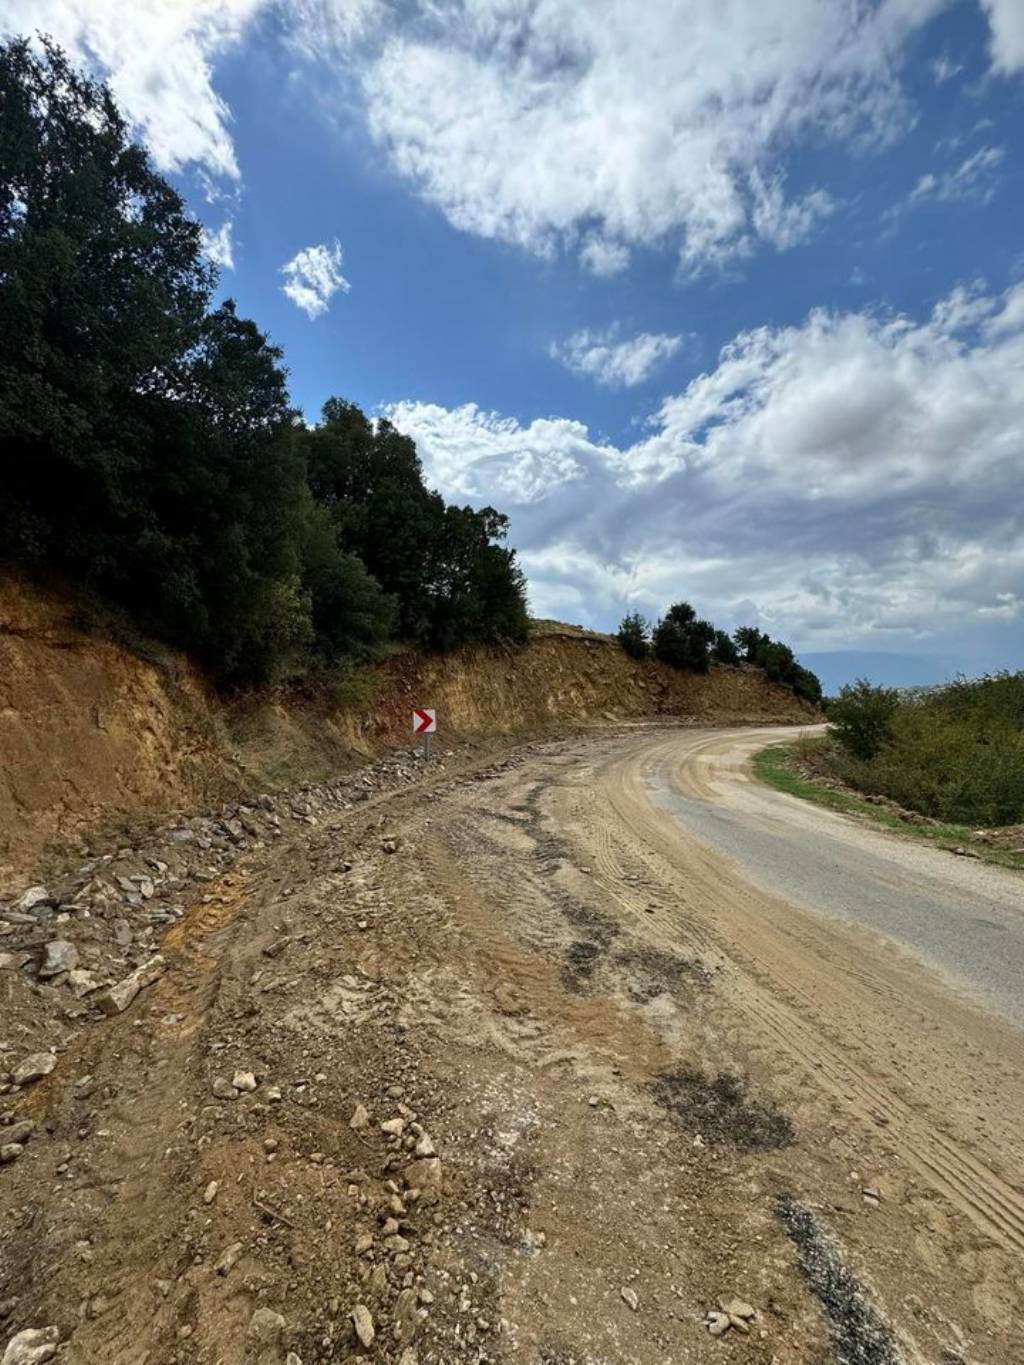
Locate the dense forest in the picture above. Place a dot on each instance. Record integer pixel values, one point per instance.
(151, 452)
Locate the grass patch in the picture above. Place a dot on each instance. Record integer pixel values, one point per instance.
(778, 766)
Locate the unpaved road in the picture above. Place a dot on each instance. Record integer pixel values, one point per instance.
(656, 1079)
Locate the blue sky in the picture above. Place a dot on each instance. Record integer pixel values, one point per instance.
(718, 299)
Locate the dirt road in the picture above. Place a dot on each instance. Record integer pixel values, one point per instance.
(628, 1078)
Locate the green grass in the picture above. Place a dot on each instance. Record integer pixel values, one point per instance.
(775, 766)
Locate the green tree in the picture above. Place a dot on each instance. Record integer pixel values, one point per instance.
(724, 651)
(634, 635)
(683, 641)
(861, 717)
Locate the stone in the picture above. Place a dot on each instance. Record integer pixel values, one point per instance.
(34, 1068)
(364, 1243)
(244, 1080)
(83, 983)
(408, 1357)
(630, 1297)
(425, 1147)
(407, 1318)
(425, 1174)
(360, 1118)
(393, 1127)
(32, 1346)
(265, 1328)
(229, 1258)
(10, 1151)
(210, 1193)
(115, 999)
(223, 1089)
(35, 899)
(396, 1244)
(362, 1321)
(737, 1308)
(58, 956)
(10, 962)
(18, 1132)
(718, 1323)
(292, 1359)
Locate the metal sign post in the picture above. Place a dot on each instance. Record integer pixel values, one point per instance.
(424, 722)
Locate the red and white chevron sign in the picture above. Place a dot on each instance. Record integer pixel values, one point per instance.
(424, 722)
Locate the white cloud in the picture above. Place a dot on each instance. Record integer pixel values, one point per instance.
(218, 246)
(1007, 45)
(944, 69)
(856, 477)
(312, 278)
(974, 178)
(602, 257)
(158, 57)
(601, 357)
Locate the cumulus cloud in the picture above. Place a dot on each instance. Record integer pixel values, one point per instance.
(312, 278)
(602, 357)
(854, 477)
(159, 59)
(1006, 18)
(219, 247)
(975, 178)
(602, 257)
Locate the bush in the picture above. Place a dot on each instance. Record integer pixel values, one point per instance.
(861, 717)
(682, 641)
(634, 635)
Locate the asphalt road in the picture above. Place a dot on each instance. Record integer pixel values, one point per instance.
(958, 917)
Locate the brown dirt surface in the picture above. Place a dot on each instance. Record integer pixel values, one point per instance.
(652, 1090)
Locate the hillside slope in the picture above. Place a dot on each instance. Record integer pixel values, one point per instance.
(90, 732)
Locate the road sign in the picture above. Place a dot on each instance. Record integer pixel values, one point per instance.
(424, 722)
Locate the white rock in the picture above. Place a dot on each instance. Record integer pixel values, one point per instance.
(244, 1080)
(32, 1346)
(210, 1193)
(117, 998)
(265, 1328)
(34, 1068)
(718, 1323)
(393, 1127)
(362, 1321)
(58, 956)
(35, 898)
(10, 1151)
(360, 1118)
(83, 983)
(425, 1147)
(631, 1297)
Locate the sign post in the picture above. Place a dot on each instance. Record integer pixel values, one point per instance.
(424, 722)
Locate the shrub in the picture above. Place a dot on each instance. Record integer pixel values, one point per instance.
(861, 717)
(634, 635)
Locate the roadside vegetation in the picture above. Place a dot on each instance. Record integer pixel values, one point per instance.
(683, 640)
(945, 763)
(151, 452)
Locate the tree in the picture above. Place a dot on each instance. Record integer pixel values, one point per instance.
(723, 651)
(682, 641)
(634, 635)
(861, 717)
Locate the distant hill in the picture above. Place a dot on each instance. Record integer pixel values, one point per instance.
(840, 666)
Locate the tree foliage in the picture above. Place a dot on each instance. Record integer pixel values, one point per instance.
(681, 640)
(634, 635)
(861, 717)
(150, 447)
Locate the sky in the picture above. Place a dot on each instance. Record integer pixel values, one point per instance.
(719, 300)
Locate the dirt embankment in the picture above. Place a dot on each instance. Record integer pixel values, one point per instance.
(90, 732)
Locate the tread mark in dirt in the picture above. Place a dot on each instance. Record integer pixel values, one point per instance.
(860, 1335)
(718, 1109)
(651, 972)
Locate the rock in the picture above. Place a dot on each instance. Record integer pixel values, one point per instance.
(871, 1196)
(630, 1297)
(32, 1346)
(737, 1308)
(362, 1321)
(18, 1132)
(223, 1089)
(360, 1118)
(83, 983)
(210, 1193)
(265, 1328)
(229, 1258)
(35, 899)
(718, 1323)
(34, 1068)
(364, 1243)
(292, 1359)
(244, 1080)
(407, 1318)
(117, 998)
(10, 962)
(10, 1151)
(393, 1127)
(122, 933)
(58, 956)
(424, 1147)
(425, 1175)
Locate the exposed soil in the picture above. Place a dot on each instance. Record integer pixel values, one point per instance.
(652, 1096)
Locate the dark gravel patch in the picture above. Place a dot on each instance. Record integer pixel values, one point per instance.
(718, 1109)
(860, 1335)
